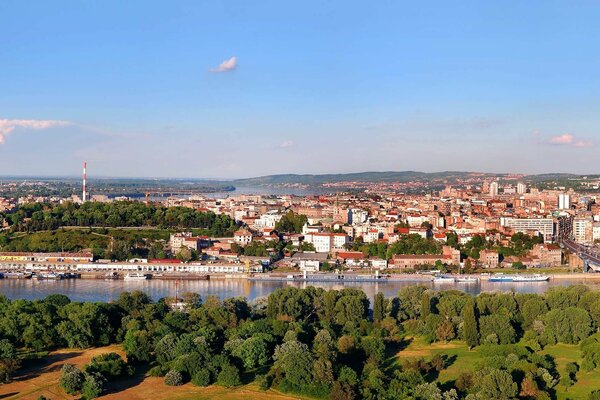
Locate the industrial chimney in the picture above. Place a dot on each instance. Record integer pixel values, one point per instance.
(84, 194)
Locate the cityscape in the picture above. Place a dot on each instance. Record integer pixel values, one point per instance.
(299, 200)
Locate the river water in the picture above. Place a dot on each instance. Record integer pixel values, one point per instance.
(108, 290)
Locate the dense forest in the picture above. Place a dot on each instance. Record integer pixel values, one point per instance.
(39, 216)
(318, 343)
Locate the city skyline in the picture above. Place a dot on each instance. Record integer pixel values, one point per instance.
(233, 90)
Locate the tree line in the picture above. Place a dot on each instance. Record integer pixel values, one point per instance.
(45, 216)
(317, 343)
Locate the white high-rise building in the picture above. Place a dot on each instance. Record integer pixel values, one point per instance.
(564, 201)
(583, 230)
(494, 189)
(521, 188)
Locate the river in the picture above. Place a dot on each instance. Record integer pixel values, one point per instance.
(109, 290)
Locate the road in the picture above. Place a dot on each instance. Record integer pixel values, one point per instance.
(589, 253)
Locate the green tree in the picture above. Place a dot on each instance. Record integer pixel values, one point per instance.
(229, 376)
(378, 308)
(71, 379)
(470, 329)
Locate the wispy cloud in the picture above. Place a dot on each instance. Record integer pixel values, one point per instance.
(7, 126)
(286, 143)
(226, 66)
(568, 139)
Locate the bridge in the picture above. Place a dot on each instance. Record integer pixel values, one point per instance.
(589, 254)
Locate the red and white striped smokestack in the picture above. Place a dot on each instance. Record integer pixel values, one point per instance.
(84, 196)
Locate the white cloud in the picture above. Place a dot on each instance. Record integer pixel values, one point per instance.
(286, 144)
(7, 126)
(226, 66)
(568, 139)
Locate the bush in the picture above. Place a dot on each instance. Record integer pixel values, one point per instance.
(92, 386)
(71, 380)
(108, 365)
(229, 376)
(159, 370)
(201, 378)
(173, 378)
(264, 381)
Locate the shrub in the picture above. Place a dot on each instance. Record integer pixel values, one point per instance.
(92, 386)
(173, 378)
(71, 379)
(108, 365)
(201, 378)
(264, 381)
(159, 370)
(229, 376)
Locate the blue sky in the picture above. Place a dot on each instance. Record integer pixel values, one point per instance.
(135, 88)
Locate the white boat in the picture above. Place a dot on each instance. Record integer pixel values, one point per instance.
(467, 279)
(136, 277)
(530, 278)
(49, 275)
(443, 279)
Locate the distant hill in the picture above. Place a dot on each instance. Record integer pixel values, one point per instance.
(385, 176)
(370, 176)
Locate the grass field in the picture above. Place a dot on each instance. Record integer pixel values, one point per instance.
(41, 378)
(467, 360)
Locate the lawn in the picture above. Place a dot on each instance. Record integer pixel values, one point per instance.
(467, 360)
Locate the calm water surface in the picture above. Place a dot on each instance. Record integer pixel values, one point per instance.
(107, 290)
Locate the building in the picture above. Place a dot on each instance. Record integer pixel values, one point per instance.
(564, 201)
(183, 239)
(412, 261)
(327, 242)
(542, 226)
(548, 255)
(489, 258)
(494, 189)
(521, 188)
(242, 237)
(583, 229)
(267, 220)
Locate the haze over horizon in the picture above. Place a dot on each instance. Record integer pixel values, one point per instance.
(233, 90)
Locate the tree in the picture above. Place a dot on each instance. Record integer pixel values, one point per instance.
(295, 362)
(445, 331)
(184, 254)
(378, 308)
(229, 376)
(291, 222)
(498, 326)
(71, 379)
(570, 325)
(470, 330)
(498, 385)
(253, 352)
(93, 385)
(138, 345)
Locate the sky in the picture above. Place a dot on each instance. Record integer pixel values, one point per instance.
(233, 89)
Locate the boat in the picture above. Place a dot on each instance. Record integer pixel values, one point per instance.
(500, 277)
(443, 279)
(17, 275)
(531, 278)
(518, 278)
(467, 279)
(136, 277)
(49, 275)
(305, 277)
